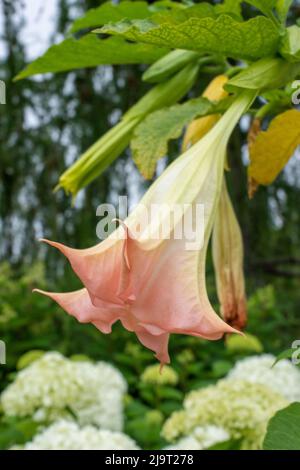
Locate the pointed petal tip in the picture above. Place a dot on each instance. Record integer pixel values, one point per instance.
(49, 242)
(65, 250)
(163, 363)
(43, 292)
(232, 330)
(56, 296)
(39, 291)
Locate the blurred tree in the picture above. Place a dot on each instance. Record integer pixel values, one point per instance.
(45, 124)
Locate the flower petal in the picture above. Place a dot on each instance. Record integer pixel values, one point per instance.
(78, 304)
(101, 268)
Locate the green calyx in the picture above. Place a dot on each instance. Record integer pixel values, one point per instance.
(265, 74)
(168, 65)
(290, 45)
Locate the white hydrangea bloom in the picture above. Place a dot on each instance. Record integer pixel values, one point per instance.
(284, 377)
(67, 435)
(185, 443)
(53, 384)
(241, 408)
(202, 438)
(210, 435)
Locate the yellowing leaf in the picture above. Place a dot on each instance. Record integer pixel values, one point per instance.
(273, 148)
(199, 127)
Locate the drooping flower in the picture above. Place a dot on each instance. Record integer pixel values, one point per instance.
(227, 237)
(144, 274)
(228, 257)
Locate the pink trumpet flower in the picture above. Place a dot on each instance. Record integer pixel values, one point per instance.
(153, 284)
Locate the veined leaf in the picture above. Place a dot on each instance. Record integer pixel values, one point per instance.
(201, 10)
(252, 39)
(90, 51)
(283, 431)
(111, 12)
(151, 137)
(273, 148)
(133, 10)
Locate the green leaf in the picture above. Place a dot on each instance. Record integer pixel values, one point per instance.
(131, 10)
(169, 406)
(220, 368)
(265, 74)
(151, 137)
(290, 46)
(203, 10)
(169, 393)
(287, 354)
(110, 12)
(90, 51)
(265, 6)
(15, 431)
(283, 431)
(252, 39)
(136, 409)
(230, 6)
(282, 8)
(144, 434)
(232, 444)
